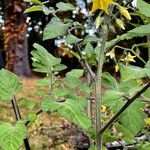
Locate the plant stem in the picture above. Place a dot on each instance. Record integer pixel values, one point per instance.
(124, 107)
(18, 117)
(98, 86)
(148, 42)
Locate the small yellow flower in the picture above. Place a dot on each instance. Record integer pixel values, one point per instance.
(103, 108)
(147, 121)
(101, 4)
(124, 12)
(120, 23)
(117, 68)
(111, 54)
(130, 58)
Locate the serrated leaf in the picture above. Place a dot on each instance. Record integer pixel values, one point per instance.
(133, 117)
(71, 39)
(54, 29)
(77, 73)
(69, 110)
(143, 7)
(44, 61)
(109, 81)
(72, 81)
(133, 72)
(11, 137)
(65, 6)
(9, 85)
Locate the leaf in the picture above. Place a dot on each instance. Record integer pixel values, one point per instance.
(109, 81)
(33, 8)
(34, 1)
(71, 39)
(43, 61)
(26, 103)
(77, 73)
(113, 99)
(133, 72)
(143, 7)
(60, 92)
(107, 137)
(72, 81)
(65, 6)
(54, 29)
(11, 137)
(31, 116)
(9, 85)
(69, 110)
(43, 82)
(127, 134)
(136, 32)
(133, 117)
(59, 67)
(129, 87)
(85, 88)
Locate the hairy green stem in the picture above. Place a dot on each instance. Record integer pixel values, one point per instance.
(148, 42)
(123, 108)
(98, 86)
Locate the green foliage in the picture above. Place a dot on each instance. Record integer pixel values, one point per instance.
(69, 110)
(23, 102)
(143, 7)
(65, 6)
(11, 137)
(42, 60)
(34, 1)
(77, 73)
(31, 117)
(9, 85)
(133, 72)
(132, 118)
(71, 39)
(55, 28)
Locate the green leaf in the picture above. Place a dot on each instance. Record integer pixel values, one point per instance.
(43, 61)
(71, 39)
(65, 6)
(69, 110)
(127, 134)
(143, 7)
(136, 32)
(109, 81)
(90, 39)
(113, 99)
(59, 67)
(85, 88)
(133, 117)
(147, 64)
(31, 116)
(9, 85)
(43, 82)
(34, 1)
(107, 137)
(26, 103)
(129, 87)
(54, 29)
(60, 92)
(77, 73)
(133, 72)
(33, 8)
(11, 137)
(72, 81)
